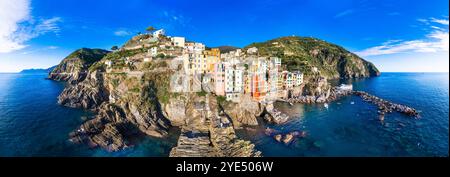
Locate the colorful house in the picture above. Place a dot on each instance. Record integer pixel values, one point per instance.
(259, 85)
(219, 79)
(212, 57)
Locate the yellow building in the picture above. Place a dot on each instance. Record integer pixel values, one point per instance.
(198, 63)
(212, 57)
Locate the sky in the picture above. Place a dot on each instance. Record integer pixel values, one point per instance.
(396, 35)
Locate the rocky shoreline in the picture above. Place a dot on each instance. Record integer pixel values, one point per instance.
(210, 133)
(336, 93)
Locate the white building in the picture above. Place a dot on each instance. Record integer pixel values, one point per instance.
(252, 50)
(298, 78)
(153, 51)
(178, 41)
(158, 33)
(229, 79)
(239, 79)
(108, 63)
(273, 80)
(234, 81)
(194, 47)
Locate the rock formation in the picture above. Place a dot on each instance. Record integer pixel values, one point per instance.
(74, 68)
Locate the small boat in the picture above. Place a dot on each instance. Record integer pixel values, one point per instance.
(352, 102)
(326, 105)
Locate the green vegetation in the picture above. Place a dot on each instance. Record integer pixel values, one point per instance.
(161, 55)
(88, 56)
(202, 93)
(115, 83)
(114, 56)
(221, 100)
(159, 85)
(153, 65)
(246, 66)
(97, 66)
(150, 29)
(135, 90)
(304, 53)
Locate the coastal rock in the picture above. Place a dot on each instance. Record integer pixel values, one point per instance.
(246, 112)
(106, 130)
(114, 121)
(74, 68)
(275, 117)
(269, 131)
(88, 94)
(278, 137)
(210, 133)
(288, 138)
(175, 111)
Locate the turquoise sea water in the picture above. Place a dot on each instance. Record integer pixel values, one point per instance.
(33, 124)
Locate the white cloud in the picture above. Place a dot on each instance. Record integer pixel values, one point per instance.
(12, 12)
(440, 21)
(122, 33)
(17, 26)
(436, 41)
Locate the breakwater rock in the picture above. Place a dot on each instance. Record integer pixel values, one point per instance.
(333, 95)
(384, 106)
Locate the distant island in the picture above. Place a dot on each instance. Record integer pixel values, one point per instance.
(36, 71)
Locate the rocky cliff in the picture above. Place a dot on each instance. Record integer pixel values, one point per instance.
(74, 68)
(246, 112)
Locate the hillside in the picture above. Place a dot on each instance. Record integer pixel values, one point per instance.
(304, 53)
(226, 49)
(74, 67)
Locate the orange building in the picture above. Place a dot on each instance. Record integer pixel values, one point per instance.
(259, 85)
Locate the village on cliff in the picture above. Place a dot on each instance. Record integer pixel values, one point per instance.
(200, 69)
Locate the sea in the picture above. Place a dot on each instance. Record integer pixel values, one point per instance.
(32, 124)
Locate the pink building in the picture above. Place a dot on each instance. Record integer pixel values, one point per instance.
(219, 79)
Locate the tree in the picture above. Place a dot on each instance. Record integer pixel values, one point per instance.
(150, 29)
(114, 48)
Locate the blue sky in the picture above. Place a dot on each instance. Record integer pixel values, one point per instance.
(396, 35)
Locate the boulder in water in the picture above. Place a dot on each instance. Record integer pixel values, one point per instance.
(278, 137)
